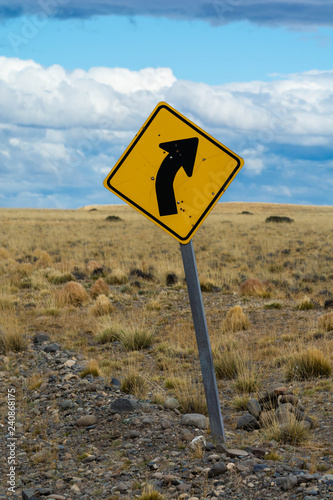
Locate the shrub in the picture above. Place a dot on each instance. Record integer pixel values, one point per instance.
(91, 369)
(278, 218)
(246, 381)
(118, 277)
(134, 339)
(291, 431)
(150, 494)
(305, 304)
(71, 293)
(133, 383)
(12, 340)
(99, 288)
(235, 320)
(253, 287)
(102, 306)
(227, 361)
(109, 334)
(273, 305)
(325, 322)
(240, 403)
(191, 396)
(308, 364)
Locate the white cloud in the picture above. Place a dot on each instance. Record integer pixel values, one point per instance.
(70, 127)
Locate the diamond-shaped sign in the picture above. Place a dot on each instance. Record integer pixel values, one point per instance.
(173, 172)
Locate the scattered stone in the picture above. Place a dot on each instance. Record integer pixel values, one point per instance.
(39, 338)
(194, 419)
(234, 453)
(66, 404)
(171, 403)
(287, 483)
(115, 382)
(254, 408)
(165, 424)
(30, 494)
(51, 348)
(257, 451)
(69, 363)
(288, 398)
(217, 469)
(86, 420)
(247, 422)
(124, 405)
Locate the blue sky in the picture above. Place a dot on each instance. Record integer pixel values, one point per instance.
(78, 79)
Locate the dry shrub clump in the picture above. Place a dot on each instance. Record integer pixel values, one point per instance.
(99, 288)
(71, 294)
(134, 383)
(291, 431)
(325, 322)
(102, 306)
(308, 364)
(91, 369)
(235, 320)
(135, 339)
(253, 287)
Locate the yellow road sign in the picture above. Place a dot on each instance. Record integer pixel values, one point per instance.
(173, 172)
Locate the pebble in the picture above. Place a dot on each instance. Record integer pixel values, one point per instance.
(86, 420)
(195, 420)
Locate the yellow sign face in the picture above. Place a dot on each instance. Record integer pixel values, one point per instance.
(173, 172)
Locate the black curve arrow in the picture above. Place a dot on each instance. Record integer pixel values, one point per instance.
(182, 153)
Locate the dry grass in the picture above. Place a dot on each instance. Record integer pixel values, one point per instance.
(235, 320)
(291, 432)
(100, 287)
(71, 294)
(325, 322)
(12, 338)
(91, 369)
(253, 287)
(102, 306)
(310, 363)
(134, 383)
(46, 252)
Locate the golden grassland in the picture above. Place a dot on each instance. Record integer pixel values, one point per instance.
(99, 286)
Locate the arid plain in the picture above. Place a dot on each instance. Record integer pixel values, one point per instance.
(106, 284)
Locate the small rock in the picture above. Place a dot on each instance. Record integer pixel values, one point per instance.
(124, 404)
(133, 434)
(40, 338)
(75, 489)
(66, 404)
(86, 420)
(30, 494)
(254, 408)
(69, 363)
(115, 382)
(90, 387)
(171, 403)
(165, 424)
(288, 483)
(288, 398)
(51, 348)
(247, 422)
(194, 419)
(257, 451)
(234, 453)
(217, 469)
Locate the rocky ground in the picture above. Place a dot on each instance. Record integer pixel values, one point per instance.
(85, 439)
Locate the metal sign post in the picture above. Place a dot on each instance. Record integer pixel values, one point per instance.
(204, 348)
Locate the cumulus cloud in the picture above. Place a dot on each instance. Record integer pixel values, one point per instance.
(68, 128)
(266, 12)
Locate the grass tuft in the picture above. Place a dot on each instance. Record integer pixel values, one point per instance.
(253, 287)
(308, 364)
(101, 307)
(100, 287)
(134, 383)
(235, 320)
(291, 432)
(135, 339)
(72, 293)
(305, 304)
(91, 369)
(325, 322)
